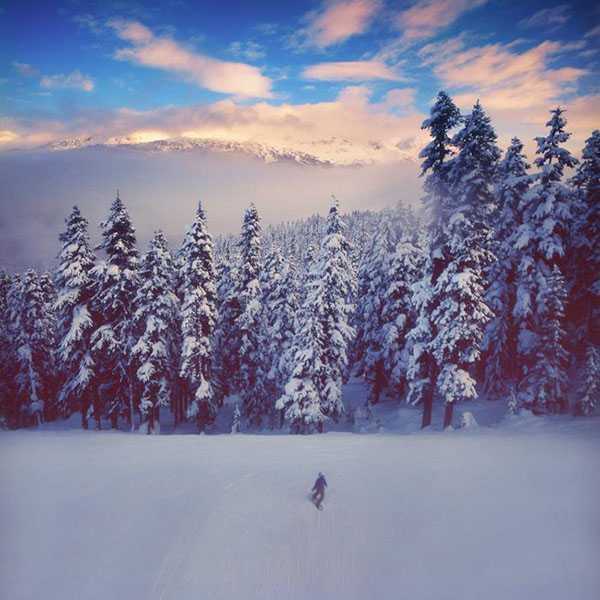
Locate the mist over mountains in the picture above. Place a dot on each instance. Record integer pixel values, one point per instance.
(162, 183)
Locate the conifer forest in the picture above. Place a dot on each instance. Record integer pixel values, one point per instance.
(489, 288)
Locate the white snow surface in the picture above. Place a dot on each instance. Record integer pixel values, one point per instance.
(506, 510)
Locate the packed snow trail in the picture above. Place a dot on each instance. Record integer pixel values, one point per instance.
(495, 514)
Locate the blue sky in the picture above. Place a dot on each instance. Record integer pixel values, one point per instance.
(359, 68)
(346, 81)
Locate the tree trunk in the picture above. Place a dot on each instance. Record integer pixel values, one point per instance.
(114, 416)
(131, 400)
(84, 410)
(427, 407)
(97, 409)
(431, 371)
(448, 413)
(150, 421)
(378, 383)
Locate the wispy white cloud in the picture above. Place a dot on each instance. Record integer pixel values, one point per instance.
(75, 80)
(425, 18)
(356, 70)
(548, 17)
(89, 22)
(595, 32)
(25, 69)
(509, 79)
(335, 21)
(164, 53)
(250, 50)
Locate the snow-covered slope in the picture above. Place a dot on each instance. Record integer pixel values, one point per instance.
(494, 513)
(325, 152)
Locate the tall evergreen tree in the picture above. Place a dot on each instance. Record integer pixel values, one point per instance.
(248, 322)
(398, 313)
(302, 400)
(279, 307)
(155, 327)
(461, 314)
(589, 392)
(584, 263)
(423, 370)
(500, 343)
(13, 309)
(199, 319)
(115, 289)
(334, 295)
(542, 240)
(75, 323)
(371, 323)
(322, 335)
(34, 351)
(225, 355)
(6, 355)
(48, 288)
(547, 380)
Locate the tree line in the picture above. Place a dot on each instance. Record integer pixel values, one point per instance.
(492, 288)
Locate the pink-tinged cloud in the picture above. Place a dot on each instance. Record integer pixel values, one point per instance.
(356, 70)
(339, 20)
(426, 17)
(346, 130)
(75, 80)
(506, 78)
(164, 53)
(7, 136)
(516, 87)
(548, 17)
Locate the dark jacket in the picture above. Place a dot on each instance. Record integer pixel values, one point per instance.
(320, 484)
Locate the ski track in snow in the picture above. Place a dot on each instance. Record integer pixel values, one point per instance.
(495, 513)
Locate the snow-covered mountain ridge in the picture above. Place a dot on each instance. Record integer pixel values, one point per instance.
(324, 153)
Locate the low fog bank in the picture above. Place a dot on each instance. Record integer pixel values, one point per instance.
(161, 191)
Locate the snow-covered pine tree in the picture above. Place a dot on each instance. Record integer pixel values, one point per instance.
(34, 351)
(115, 288)
(49, 296)
(75, 323)
(6, 354)
(420, 367)
(589, 392)
(322, 336)
(422, 372)
(374, 274)
(461, 314)
(225, 358)
(306, 271)
(13, 308)
(547, 380)
(155, 322)
(248, 322)
(398, 313)
(542, 240)
(279, 307)
(334, 296)
(199, 313)
(584, 262)
(302, 399)
(500, 342)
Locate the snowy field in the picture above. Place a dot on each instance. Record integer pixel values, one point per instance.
(502, 512)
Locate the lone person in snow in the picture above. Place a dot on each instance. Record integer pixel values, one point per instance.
(318, 490)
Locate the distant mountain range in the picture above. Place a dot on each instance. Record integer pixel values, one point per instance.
(327, 153)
